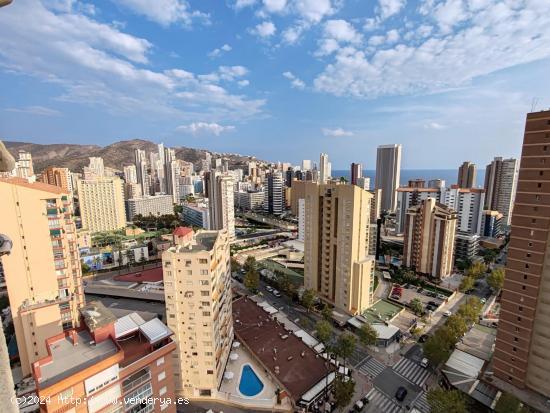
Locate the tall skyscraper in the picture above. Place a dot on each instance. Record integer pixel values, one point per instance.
(388, 171)
(306, 165)
(467, 174)
(220, 193)
(42, 271)
(102, 204)
(130, 174)
(140, 161)
(171, 174)
(197, 287)
(274, 196)
(324, 168)
(356, 172)
(408, 197)
(96, 167)
(429, 238)
(521, 355)
(336, 263)
(24, 166)
(500, 186)
(60, 177)
(468, 203)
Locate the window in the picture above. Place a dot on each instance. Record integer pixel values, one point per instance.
(162, 391)
(209, 371)
(520, 308)
(161, 376)
(203, 261)
(160, 361)
(65, 394)
(539, 185)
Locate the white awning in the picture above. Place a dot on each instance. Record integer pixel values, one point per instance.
(128, 324)
(465, 363)
(312, 393)
(155, 330)
(306, 338)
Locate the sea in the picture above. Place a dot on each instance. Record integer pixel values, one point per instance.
(449, 175)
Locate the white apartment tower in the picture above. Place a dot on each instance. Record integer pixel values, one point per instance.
(274, 194)
(221, 203)
(140, 161)
(501, 177)
(197, 288)
(171, 174)
(130, 174)
(324, 168)
(102, 204)
(388, 171)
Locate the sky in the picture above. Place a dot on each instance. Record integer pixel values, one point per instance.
(283, 80)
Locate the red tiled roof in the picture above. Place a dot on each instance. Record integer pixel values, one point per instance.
(182, 231)
(151, 275)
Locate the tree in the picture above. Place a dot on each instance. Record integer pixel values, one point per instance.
(477, 269)
(446, 401)
(326, 312)
(308, 298)
(367, 335)
(345, 345)
(496, 279)
(470, 310)
(250, 264)
(507, 403)
(436, 349)
(343, 391)
(467, 283)
(252, 280)
(455, 327)
(235, 265)
(324, 331)
(489, 256)
(416, 306)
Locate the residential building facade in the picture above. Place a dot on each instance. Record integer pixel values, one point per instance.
(388, 173)
(155, 205)
(500, 186)
(467, 175)
(102, 204)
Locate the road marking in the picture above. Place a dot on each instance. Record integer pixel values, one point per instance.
(371, 367)
(382, 402)
(412, 372)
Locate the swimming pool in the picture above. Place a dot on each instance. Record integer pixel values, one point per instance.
(250, 384)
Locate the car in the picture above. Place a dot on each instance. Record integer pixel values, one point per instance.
(420, 289)
(358, 406)
(424, 363)
(431, 294)
(401, 393)
(423, 338)
(276, 293)
(396, 297)
(433, 303)
(441, 297)
(483, 300)
(269, 288)
(447, 313)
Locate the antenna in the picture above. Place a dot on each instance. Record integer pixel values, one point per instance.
(534, 103)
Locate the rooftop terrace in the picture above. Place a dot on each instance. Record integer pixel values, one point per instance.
(296, 366)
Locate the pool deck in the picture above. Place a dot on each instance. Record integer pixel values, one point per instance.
(266, 399)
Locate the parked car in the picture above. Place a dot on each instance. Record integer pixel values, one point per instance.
(423, 338)
(358, 406)
(483, 300)
(441, 297)
(269, 288)
(433, 303)
(447, 313)
(424, 363)
(401, 393)
(276, 293)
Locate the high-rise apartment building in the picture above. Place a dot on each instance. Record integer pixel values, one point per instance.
(24, 166)
(500, 186)
(42, 271)
(388, 172)
(109, 364)
(155, 205)
(467, 175)
(130, 174)
(363, 182)
(102, 204)
(521, 355)
(60, 177)
(324, 168)
(96, 167)
(197, 287)
(307, 165)
(160, 168)
(140, 162)
(491, 224)
(221, 202)
(171, 174)
(356, 172)
(436, 183)
(468, 203)
(429, 238)
(336, 263)
(408, 197)
(274, 195)
(375, 211)
(196, 214)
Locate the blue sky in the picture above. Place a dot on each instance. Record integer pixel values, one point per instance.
(280, 79)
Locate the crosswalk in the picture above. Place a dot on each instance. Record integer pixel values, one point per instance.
(380, 402)
(411, 371)
(421, 403)
(371, 367)
(358, 356)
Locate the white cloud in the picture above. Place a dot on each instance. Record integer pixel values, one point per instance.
(314, 10)
(94, 64)
(342, 31)
(243, 83)
(264, 29)
(337, 132)
(197, 128)
(274, 6)
(295, 82)
(219, 51)
(450, 13)
(239, 4)
(487, 40)
(434, 125)
(165, 12)
(388, 8)
(35, 110)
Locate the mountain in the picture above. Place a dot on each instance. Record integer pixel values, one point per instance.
(115, 155)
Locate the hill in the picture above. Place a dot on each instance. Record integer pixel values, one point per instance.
(115, 155)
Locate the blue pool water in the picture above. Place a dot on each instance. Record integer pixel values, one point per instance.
(250, 384)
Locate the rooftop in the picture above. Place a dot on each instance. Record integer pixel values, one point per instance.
(296, 366)
(182, 231)
(151, 275)
(34, 185)
(68, 359)
(96, 315)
